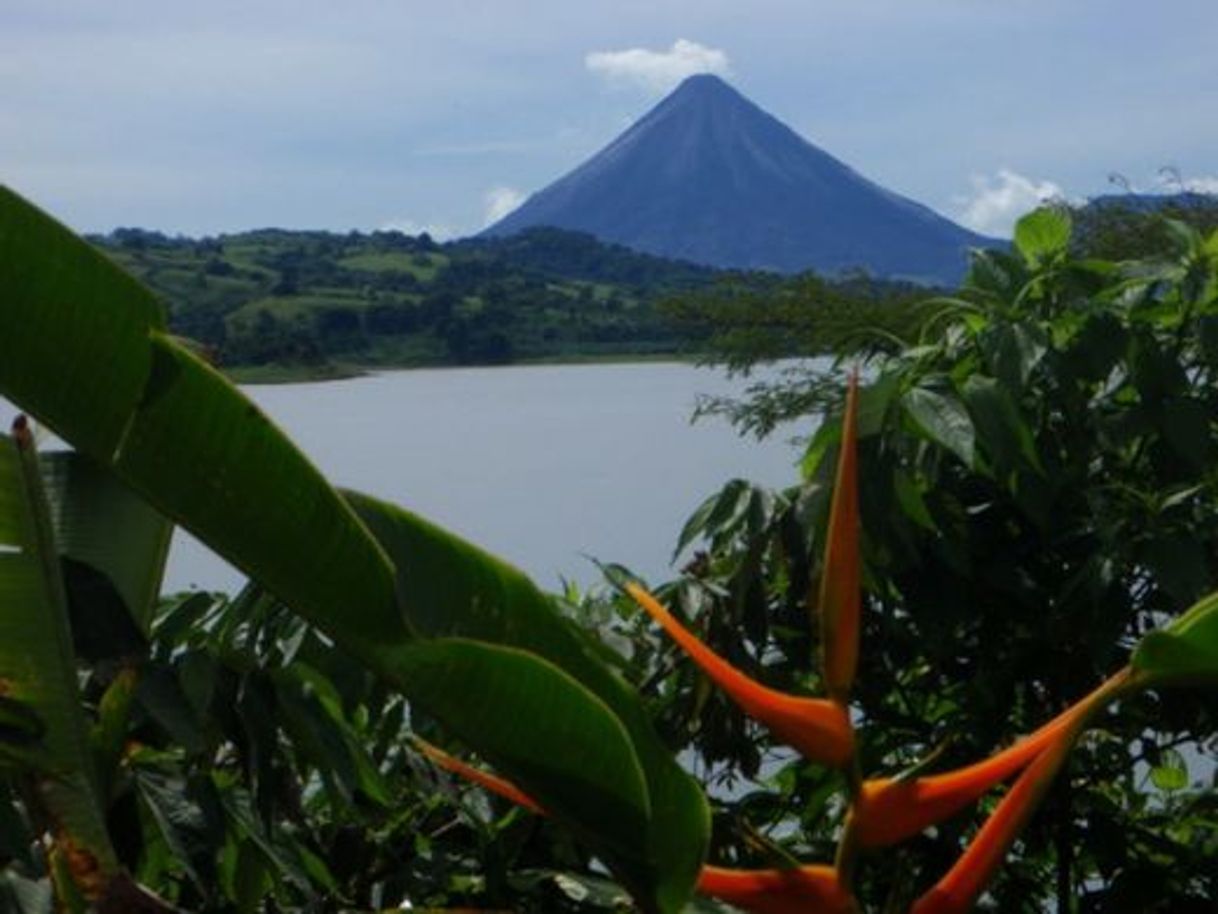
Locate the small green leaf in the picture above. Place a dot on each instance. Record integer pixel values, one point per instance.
(1003, 434)
(1043, 234)
(183, 821)
(828, 435)
(1012, 351)
(909, 497)
(944, 420)
(1171, 773)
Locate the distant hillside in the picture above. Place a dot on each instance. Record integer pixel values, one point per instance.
(579, 255)
(1154, 203)
(1128, 226)
(709, 177)
(314, 302)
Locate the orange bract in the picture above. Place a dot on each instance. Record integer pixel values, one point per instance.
(799, 890)
(491, 782)
(889, 811)
(956, 891)
(818, 728)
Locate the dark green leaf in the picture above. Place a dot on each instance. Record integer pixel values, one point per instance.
(192, 834)
(89, 507)
(161, 696)
(542, 729)
(1005, 438)
(1186, 426)
(1012, 351)
(943, 420)
(1179, 565)
(451, 588)
(909, 497)
(317, 728)
(1186, 649)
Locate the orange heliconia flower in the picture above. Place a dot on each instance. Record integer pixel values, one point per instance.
(841, 577)
(818, 728)
(889, 811)
(956, 892)
(798, 890)
(491, 782)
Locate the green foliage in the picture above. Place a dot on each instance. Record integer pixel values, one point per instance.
(200, 452)
(1132, 226)
(45, 738)
(1039, 492)
(317, 303)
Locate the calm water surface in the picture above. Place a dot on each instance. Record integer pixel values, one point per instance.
(542, 465)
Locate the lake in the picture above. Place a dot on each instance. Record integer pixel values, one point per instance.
(543, 465)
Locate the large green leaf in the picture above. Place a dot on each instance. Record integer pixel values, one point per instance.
(206, 456)
(1185, 650)
(1042, 234)
(38, 668)
(101, 523)
(944, 420)
(534, 722)
(452, 588)
(1005, 438)
(82, 347)
(110, 382)
(74, 341)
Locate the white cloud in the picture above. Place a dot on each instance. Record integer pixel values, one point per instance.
(500, 201)
(658, 71)
(1207, 184)
(998, 201)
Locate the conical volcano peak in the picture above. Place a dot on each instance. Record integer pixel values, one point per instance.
(705, 85)
(708, 176)
(704, 90)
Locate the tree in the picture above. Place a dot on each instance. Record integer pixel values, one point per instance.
(1040, 492)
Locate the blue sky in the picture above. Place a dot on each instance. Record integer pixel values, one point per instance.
(222, 116)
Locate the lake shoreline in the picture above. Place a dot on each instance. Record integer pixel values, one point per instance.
(345, 371)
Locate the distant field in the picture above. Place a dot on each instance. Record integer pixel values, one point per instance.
(422, 267)
(278, 305)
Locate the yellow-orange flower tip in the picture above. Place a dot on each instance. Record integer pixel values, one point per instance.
(484, 779)
(819, 729)
(890, 811)
(799, 890)
(956, 892)
(841, 576)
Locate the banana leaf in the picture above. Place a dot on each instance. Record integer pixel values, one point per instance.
(83, 347)
(38, 670)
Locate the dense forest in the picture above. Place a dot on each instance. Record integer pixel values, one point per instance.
(274, 304)
(281, 305)
(319, 302)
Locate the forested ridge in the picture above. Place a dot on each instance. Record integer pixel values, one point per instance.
(319, 301)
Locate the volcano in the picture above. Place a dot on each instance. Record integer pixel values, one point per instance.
(709, 177)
